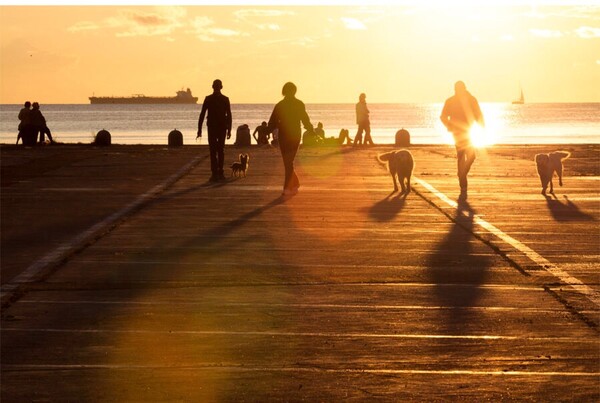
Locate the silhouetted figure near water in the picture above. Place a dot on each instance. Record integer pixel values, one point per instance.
(38, 121)
(458, 115)
(344, 136)
(218, 123)
(263, 134)
(24, 120)
(362, 119)
(286, 117)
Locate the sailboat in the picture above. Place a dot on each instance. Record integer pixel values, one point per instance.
(521, 99)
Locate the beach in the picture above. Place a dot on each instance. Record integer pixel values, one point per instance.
(126, 275)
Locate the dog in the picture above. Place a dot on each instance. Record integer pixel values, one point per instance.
(400, 165)
(547, 164)
(240, 167)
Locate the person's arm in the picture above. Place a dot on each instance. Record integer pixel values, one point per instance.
(306, 120)
(254, 134)
(201, 119)
(229, 119)
(273, 120)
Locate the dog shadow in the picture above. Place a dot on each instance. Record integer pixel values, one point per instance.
(567, 211)
(388, 208)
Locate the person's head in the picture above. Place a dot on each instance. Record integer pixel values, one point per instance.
(320, 125)
(217, 85)
(362, 97)
(35, 105)
(263, 124)
(27, 104)
(289, 89)
(460, 87)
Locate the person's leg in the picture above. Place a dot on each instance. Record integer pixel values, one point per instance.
(212, 147)
(368, 139)
(49, 134)
(40, 131)
(461, 163)
(221, 152)
(358, 138)
(469, 159)
(289, 148)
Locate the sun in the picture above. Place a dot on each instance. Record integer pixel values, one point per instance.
(481, 136)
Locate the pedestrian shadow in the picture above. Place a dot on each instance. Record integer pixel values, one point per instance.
(567, 211)
(458, 273)
(387, 208)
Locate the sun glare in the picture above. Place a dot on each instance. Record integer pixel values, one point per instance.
(481, 137)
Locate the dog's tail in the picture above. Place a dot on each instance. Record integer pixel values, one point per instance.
(563, 155)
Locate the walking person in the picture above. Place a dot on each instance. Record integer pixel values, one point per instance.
(458, 115)
(218, 123)
(362, 119)
(286, 118)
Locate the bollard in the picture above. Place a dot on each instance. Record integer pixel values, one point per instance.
(103, 138)
(175, 138)
(402, 138)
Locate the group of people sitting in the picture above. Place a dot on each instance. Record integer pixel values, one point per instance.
(32, 123)
(315, 137)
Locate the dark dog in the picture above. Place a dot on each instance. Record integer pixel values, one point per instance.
(400, 164)
(547, 164)
(240, 167)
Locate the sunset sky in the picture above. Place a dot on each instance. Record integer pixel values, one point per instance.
(408, 53)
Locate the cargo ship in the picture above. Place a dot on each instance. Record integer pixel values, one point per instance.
(182, 97)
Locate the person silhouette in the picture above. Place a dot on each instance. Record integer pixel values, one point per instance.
(286, 118)
(458, 115)
(218, 123)
(344, 136)
(24, 120)
(263, 134)
(38, 122)
(362, 119)
(320, 133)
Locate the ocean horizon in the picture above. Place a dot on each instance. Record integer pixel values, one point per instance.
(533, 123)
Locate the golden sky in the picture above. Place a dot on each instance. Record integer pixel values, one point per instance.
(408, 53)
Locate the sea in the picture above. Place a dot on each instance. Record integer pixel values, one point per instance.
(535, 123)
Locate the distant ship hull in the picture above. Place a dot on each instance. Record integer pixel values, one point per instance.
(183, 97)
(141, 100)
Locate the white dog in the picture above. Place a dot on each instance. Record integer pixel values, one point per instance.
(547, 164)
(400, 164)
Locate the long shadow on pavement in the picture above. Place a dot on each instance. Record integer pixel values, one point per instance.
(458, 273)
(567, 211)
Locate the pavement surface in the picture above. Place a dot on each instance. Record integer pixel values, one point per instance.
(126, 276)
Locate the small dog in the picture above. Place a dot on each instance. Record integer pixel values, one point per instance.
(240, 167)
(400, 164)
(547, 164)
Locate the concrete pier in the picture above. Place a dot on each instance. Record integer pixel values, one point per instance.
(127, 276)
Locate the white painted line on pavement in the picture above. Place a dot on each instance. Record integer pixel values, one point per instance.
(246, 368)
(89, 235)
(556, 271)
(591, 339)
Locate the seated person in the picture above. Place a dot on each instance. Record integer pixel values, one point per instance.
(309, 138)
(320, 133)
(263, 134)
(344, 136)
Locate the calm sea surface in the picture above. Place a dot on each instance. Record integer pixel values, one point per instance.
(149, 124)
